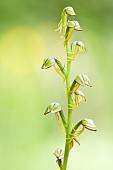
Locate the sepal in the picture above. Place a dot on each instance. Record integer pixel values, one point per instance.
(89, 124)
(83, 80)
(48, 62)
(53, 108)
(70, 11)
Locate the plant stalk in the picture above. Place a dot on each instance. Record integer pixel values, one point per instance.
(68, 128)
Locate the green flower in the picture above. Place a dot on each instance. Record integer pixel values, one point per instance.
(59, 153)
(80, 80)
(89, 124)
(79, 96)
(49, 62)
(76, 98)
(53, 108)
(83, 80)
(86, 80)
(68, 11)
(71, 25)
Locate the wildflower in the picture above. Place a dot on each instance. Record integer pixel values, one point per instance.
(71, 25)
(48, 62)
(53, 108)
(76, 98)
(89, 124)
(83, 80)
(76, 46)
(68, 11)
(59, 154)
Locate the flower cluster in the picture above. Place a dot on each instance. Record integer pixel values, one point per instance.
(67, 25)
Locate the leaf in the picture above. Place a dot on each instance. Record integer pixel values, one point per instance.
(61, 67)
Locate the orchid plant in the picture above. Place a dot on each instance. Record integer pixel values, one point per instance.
(74, 95)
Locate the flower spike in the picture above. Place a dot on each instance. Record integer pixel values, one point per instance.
(67, 25)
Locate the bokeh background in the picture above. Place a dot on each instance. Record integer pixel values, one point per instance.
(27, 137)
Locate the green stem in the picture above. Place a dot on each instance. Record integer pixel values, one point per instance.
(63, 118)
(76, 127)
(68, 129)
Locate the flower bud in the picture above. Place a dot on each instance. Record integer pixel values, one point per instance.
(49, 62)
(89, 124)
(53, 108)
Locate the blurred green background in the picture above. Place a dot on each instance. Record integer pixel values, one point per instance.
(27, 137)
